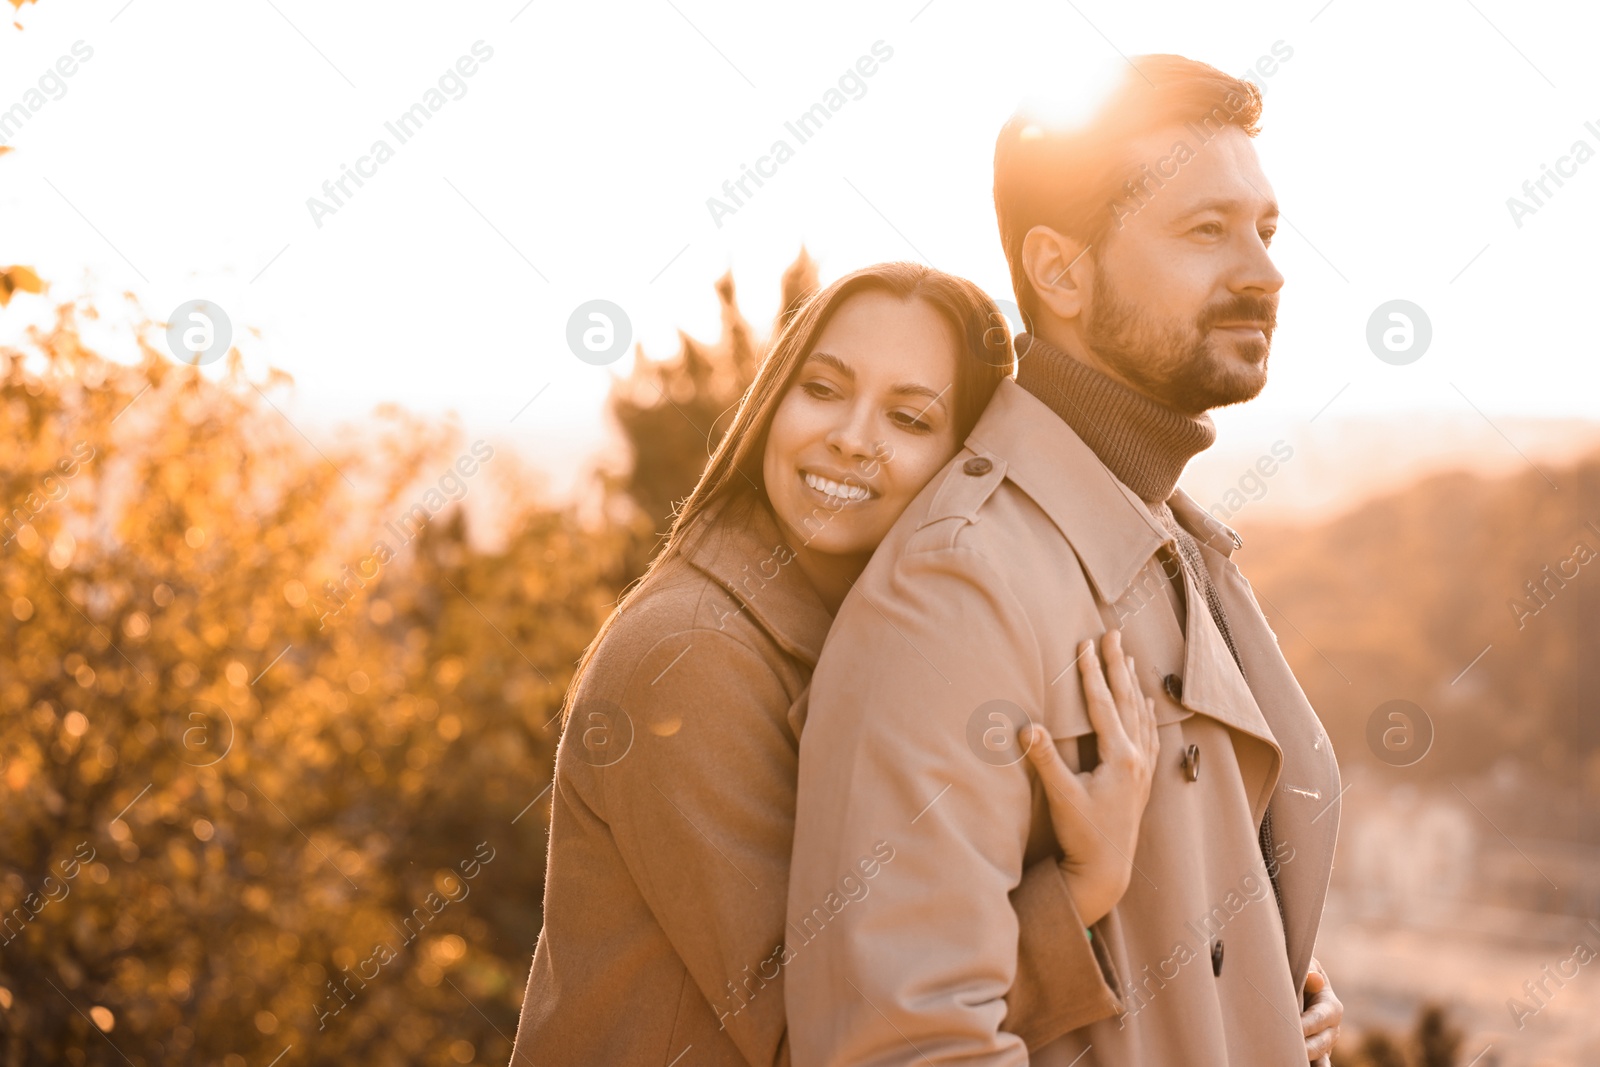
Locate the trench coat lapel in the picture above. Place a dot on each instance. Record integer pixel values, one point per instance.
(1213, 686)
(1305, 797)
(1114, 535)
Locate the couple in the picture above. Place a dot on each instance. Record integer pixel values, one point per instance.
(943, 728)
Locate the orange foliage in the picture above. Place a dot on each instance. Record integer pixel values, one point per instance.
(215, 811)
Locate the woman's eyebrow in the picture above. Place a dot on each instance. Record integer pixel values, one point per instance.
(922, 390)
(835, 362)
(903, 388)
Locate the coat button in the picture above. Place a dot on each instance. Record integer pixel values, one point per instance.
(1191, 762)
(978, 465)
(1174, 686)
(1216, 957)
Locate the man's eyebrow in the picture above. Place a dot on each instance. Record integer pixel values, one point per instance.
(903, 388)
(1228, 206)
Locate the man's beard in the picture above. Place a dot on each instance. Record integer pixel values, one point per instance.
(1176, 364)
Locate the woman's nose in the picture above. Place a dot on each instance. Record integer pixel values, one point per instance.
(851, 437)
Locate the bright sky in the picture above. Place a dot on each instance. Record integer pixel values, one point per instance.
(577, 161)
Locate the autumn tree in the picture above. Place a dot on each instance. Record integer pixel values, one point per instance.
(240, 824)
(673, 412)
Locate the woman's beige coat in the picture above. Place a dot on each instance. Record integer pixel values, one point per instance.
(974, 605)
(664, 939)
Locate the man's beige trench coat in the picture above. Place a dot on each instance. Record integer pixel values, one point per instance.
(671, 822)
(966, 619)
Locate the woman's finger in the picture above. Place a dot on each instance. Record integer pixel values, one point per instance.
(1138, 713)
(1059, 781)
(1120, 671)
(1121, 681)
(1102, 710)
(1148, 737)
(1152, 737)
(1143, 712)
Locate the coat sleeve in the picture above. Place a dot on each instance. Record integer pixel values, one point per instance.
(1058, 987)
(702, 811)
(920, 969)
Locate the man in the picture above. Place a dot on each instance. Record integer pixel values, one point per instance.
(1138, 248)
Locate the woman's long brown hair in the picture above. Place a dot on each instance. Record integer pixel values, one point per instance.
(734, 472)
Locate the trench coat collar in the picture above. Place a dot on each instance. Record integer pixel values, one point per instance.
(1114, 535)
(1206, 528)
(1106, 523)
(754, 562)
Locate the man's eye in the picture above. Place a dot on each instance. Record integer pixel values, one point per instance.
(1267, 235)
(1210, 229)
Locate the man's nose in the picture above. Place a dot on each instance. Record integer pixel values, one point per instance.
(1257, 273)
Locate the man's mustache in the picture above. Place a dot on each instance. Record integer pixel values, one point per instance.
(1263, 309)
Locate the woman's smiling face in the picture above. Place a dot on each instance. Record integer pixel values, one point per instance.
(864, 426)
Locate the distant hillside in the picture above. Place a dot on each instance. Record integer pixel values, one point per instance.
(1339, 462)
(1396, 598)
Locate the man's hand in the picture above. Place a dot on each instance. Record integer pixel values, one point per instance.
(1322, 1015)
(1096, 815)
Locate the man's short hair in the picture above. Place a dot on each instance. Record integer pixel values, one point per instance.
(1080, 180)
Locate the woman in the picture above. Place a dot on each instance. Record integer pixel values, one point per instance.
(673, 807)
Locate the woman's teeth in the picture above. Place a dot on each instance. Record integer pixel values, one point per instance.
(836, 489)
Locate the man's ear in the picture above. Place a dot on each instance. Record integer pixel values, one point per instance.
(1058, 269)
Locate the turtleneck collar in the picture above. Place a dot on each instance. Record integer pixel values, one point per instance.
(1145, 444)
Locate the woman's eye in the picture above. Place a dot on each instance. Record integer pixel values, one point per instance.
(1267, 235)
(911, 422)
(817, 389)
